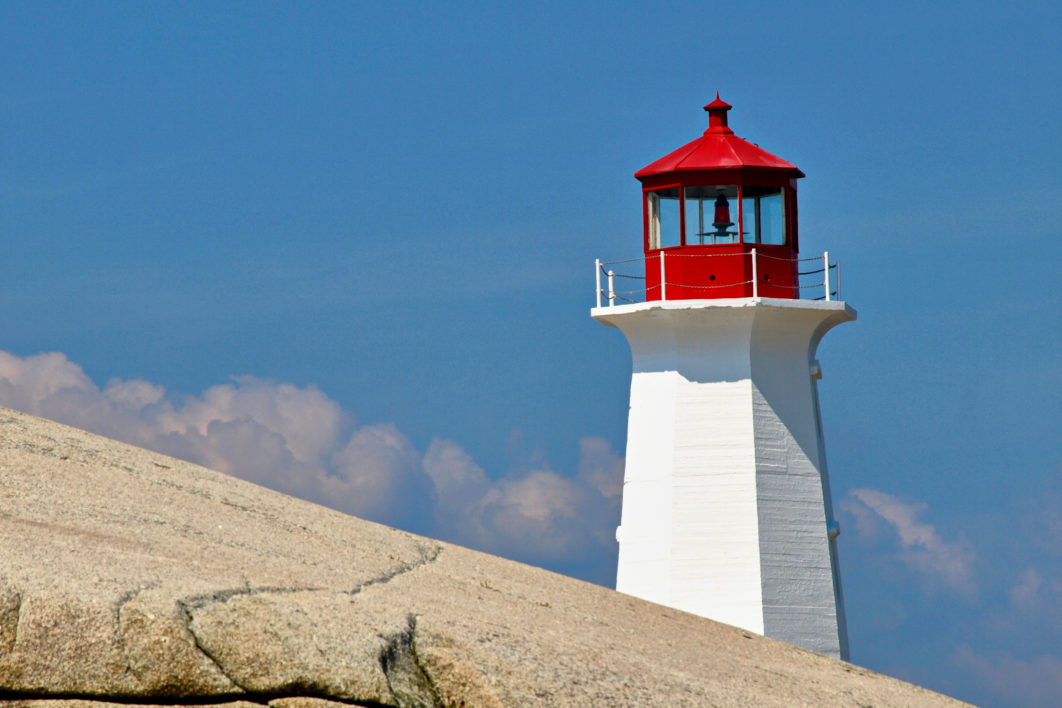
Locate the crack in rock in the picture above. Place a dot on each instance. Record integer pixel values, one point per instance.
(119, 635)
(10, 699)
(398, 672)
(410, 684)
(198, 602)
(161, 653)
(10, 614)
(315, 643)
(186, 611)
(428, 554)
(128, 597)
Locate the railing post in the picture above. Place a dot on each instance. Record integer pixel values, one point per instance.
(597, 279)
(839, 297)
(611, 289)
(755, 276)
(663, 278)
(826, 273)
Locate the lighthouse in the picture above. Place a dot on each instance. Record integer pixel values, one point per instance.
(726, 496)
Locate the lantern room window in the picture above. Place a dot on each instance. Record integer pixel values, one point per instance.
(712, 215)
(763, 215)
(665, 222)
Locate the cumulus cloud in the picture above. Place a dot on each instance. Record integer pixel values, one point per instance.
(1027, 591)
(922, 549)
(1034, 605)
(1036, 681)
(301, 442)
(569, 517)
(380, 475)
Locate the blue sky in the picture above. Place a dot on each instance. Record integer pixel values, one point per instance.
(346, 250)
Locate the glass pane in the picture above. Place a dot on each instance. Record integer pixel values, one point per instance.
(772, 220)
(664, 218)
(711, 214)
(652, 202)
(748, 221)
(695, 216)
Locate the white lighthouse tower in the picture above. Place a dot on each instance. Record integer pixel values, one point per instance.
(726, 498)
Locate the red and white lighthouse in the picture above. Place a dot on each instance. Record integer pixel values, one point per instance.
(726, 497)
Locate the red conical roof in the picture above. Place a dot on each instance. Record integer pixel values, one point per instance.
(718, 149)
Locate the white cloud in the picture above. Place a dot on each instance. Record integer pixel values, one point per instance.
(1035, 604)
(1026, 591)
(457, 479)
(308, 420)
(1019, 682)
(134, 395)
(921, 547)
(34, 379)
(600, 467)
(299, 441)
(568, 517)
(381, 476)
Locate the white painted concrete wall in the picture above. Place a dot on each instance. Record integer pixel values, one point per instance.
(726, 495)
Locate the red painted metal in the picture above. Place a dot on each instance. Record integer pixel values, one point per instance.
(719, 149)
(720, 270)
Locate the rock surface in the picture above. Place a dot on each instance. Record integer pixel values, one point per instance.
(131, 577)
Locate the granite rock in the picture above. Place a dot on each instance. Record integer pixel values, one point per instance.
(131, 577)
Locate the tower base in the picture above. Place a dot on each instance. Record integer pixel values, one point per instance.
(726, 500)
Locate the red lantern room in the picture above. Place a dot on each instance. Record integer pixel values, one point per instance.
(720, 219)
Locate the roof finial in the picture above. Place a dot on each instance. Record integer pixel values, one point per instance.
(717, 115)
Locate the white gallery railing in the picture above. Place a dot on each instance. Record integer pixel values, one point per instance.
(825, 279)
